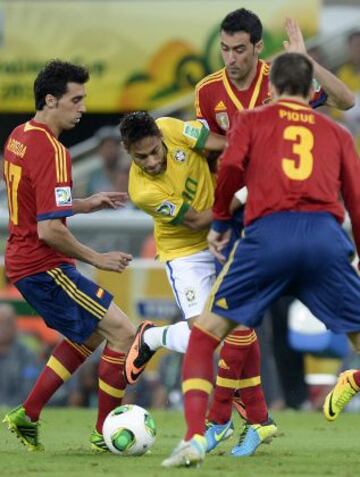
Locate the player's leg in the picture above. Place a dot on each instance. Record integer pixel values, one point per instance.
(73, 305)
(119, 333)
(39, 290)
(63, 362)
(234, 367)
(238, 292)
(330, 288)
(205, 336)
(233, 355)
(191, 279)
(347, 386)
(259, 427)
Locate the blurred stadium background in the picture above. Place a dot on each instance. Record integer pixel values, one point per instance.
(147, 54)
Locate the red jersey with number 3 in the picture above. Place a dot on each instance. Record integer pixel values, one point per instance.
(291, 158)
(37, 172)
(217, 99)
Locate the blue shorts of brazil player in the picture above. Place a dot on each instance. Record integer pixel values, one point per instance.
(66, 300)
(303, 254)
(237, 226)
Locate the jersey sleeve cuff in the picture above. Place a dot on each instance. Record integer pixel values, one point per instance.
(319, 100)
(204, 134)
(54, 215)
(180, 216)
(221, 225)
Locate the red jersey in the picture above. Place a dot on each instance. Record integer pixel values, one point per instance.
(37, 172)
(217, 99)
(291, 158)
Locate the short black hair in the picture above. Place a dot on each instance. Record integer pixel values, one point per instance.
(292, 73)
(243, 20)
(53, 79)
(136, 126)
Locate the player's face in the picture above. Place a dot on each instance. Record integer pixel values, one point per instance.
(149, 154)
(71, 106)
(239, 54)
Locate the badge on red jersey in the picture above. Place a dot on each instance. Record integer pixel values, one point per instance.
(223, 120)
(63, 196)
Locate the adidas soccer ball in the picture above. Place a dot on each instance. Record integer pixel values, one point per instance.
(129, 430)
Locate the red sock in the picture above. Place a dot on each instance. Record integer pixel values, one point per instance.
(112, 383)
(356, 377)
(250, 386)
(233, 356)
(198, 379)
(63, 362)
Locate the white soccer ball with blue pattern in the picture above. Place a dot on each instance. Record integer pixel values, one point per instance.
(129, 430)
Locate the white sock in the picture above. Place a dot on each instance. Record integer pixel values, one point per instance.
(153, 337)
(176, 338)
(173, 337)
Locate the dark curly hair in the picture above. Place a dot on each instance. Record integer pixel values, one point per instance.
(53, 79)
(243, 20)
(136, 126)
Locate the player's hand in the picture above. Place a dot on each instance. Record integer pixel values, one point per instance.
(217, 241)
(106, 200)
(295, 42)
(113, 261)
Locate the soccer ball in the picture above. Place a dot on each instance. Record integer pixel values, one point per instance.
(129, 430)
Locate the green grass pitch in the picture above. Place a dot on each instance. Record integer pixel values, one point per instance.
(307, 447)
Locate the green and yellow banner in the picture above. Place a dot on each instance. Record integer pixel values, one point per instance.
(141, 53)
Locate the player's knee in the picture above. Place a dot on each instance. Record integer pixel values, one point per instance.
(117, 329)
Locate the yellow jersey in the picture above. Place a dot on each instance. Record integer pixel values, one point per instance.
(186, 182)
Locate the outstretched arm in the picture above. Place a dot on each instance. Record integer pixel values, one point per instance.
(57, 236)
(339, 95)
(99, 201)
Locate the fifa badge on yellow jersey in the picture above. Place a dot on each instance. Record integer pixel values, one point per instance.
(166, 208)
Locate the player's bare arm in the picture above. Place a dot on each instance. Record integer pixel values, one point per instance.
(215, 142)
(57, 236)
(99, 201)
(197, 220)
(339, 95)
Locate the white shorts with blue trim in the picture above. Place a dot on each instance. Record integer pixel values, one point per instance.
(191, 279)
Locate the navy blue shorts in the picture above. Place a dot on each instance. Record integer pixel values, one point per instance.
(302, 254)
(67, 301)
(237, 226)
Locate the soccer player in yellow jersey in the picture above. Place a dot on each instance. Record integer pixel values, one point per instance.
(171, 181)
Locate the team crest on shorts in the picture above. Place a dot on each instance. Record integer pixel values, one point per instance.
(190, 295)
(100, 292)
(180, 155)
(223, 120)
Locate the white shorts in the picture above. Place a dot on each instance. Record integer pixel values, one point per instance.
(191, 279)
